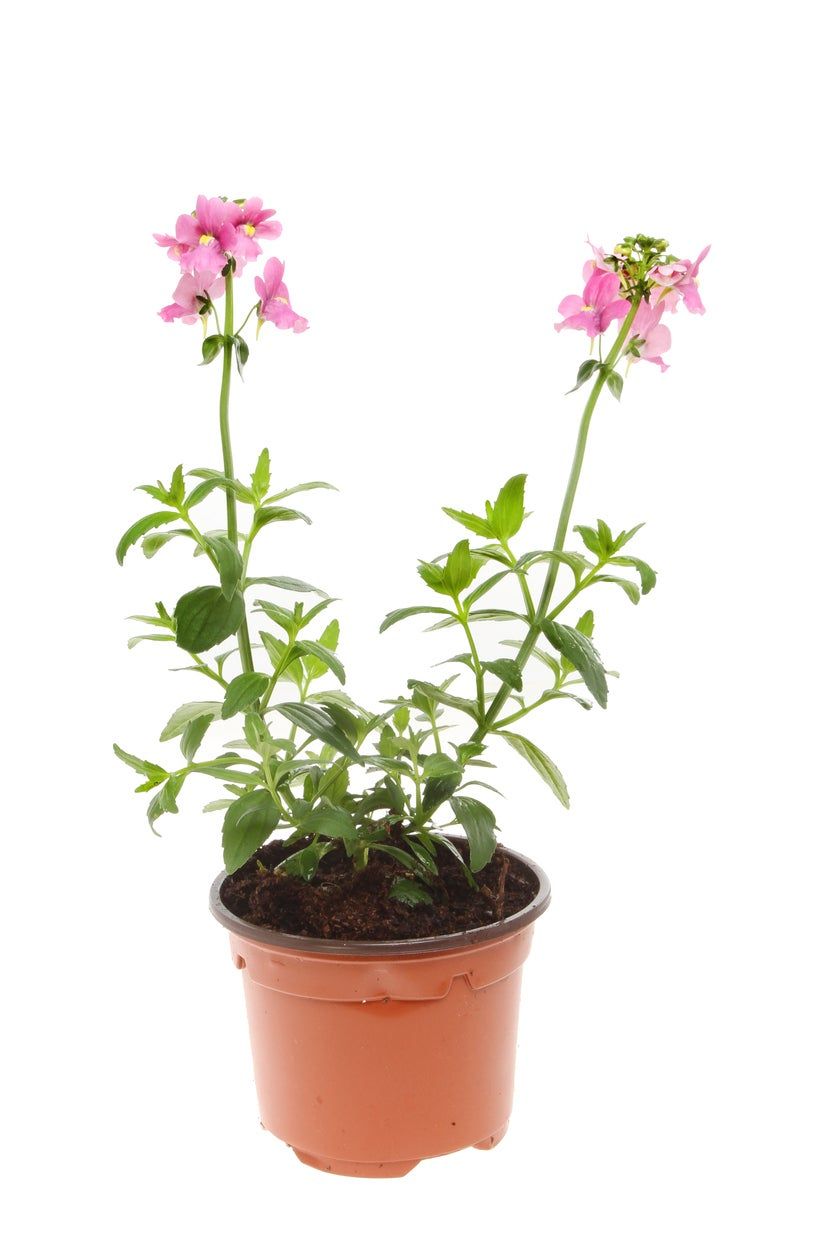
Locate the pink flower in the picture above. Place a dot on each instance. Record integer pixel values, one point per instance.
(676, 280)
(598, 306)
(202, 239)
(190, 294)
(250, 223)
(274, 299)
(656, 335)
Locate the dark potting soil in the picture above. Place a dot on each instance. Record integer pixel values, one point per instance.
(344, 903)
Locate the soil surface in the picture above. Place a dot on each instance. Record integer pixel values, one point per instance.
(344, 903)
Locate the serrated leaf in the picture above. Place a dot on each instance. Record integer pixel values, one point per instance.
(140, 527)
(261, 476)
(647, 576)
(630, 587)
(147, 768)
(474, 523)
(458, 571)
(186, 713)
(409, 892)
(508, 511)
(402, 613)
(581, 653)
(300, 489)
(541, 763)
(327, 820)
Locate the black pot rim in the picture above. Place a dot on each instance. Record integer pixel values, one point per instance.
(387, 948)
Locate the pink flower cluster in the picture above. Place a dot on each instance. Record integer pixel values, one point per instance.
(205, 242)
(604, 300)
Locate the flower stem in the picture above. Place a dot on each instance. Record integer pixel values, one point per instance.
(525, 650)
(228, 461)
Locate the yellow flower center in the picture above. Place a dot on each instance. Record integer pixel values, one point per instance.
(205, 239)
(248, 229)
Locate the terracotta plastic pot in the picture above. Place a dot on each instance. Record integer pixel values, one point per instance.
(369, 1057)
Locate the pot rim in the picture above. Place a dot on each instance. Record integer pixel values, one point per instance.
(393, 947)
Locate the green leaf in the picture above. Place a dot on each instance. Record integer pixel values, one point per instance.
(507, 670)
(541, 763)
(439, 695)
(321, 725)
(164, 801)
(402, 613)
(154, 772)
(246, 827)
(193, 735)
(211, 347)
(614, 383)
(205, 617)
(228, 559)
(137, 530)
(261, 476)
(242, 692)
(590, 538)
(153, 542)
(630, 587)
(149, 637)
(474, 523)
(585, 371)
(322, 654)
(299, 489)
(459, 571)
(285, 583)
(438, 791)
(586, 623)
(186, 713)
(581, 653)
(304, 864)
(478, 821)
(409, 892)
(439, 765)
(508, 512)
(275, 515)
(159, 492)
(177, 489)
(624, 538)
(241, 353)
(327, 820)
(216, 480)
(433, 576)
(647, 576)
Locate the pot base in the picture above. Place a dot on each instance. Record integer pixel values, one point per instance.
(380, 1170)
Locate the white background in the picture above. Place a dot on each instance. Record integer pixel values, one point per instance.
(436, 168)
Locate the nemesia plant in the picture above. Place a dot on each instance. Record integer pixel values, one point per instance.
(310, 763)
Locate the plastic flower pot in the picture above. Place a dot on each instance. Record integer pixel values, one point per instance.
(369, 1057)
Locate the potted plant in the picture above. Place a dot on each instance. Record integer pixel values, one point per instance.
(379, 925)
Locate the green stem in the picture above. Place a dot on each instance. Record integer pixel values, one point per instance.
(228, 461)
(475, 658)
(563, 520)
